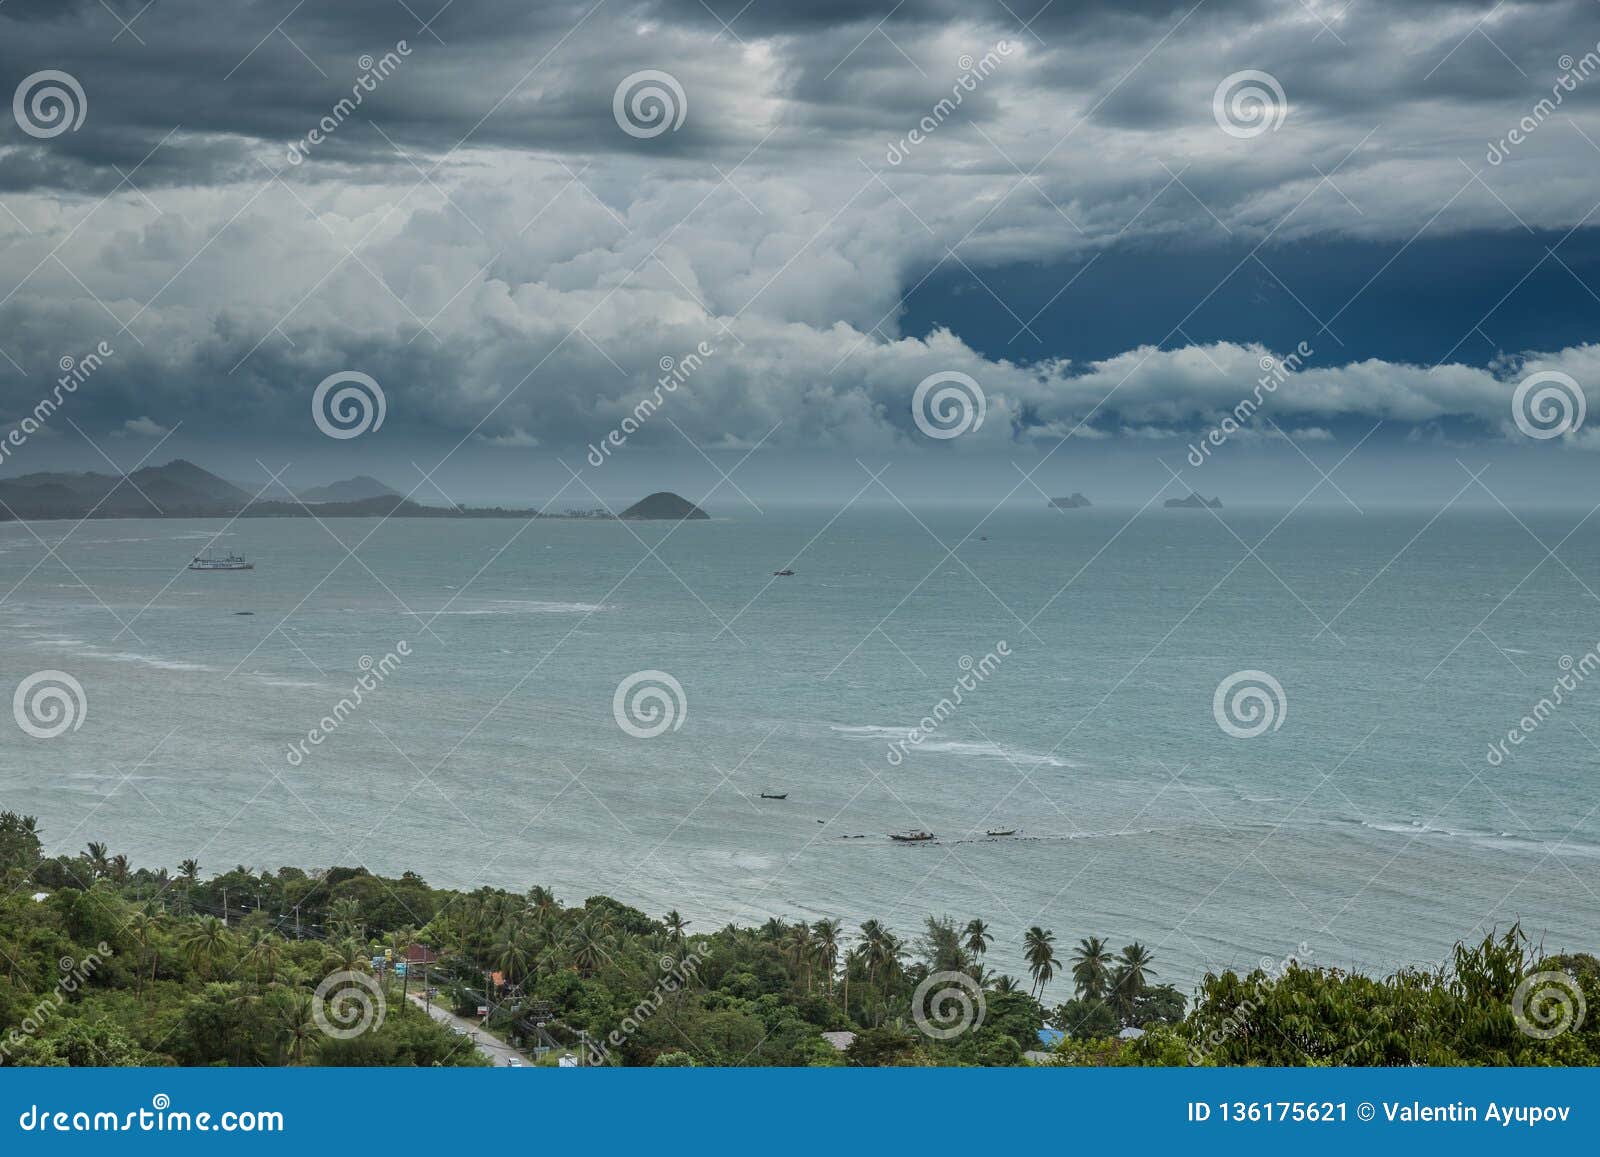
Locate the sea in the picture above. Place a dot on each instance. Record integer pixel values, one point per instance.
(1234, 736)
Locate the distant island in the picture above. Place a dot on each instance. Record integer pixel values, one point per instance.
(181, 489)
(1076, 502)
(664, 504)
(1194, 502)
(356, 489)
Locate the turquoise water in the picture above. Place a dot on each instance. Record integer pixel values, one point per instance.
(1368, 826)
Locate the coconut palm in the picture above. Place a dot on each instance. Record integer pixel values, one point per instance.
(190, 871)
(344, 917)
(676, 925)
(1131, 977)
(1091, 968)
(1039, 950)
(589, 953)
(299, 1025)
(513, 955)
(799, 945)
(978, 938)
(204, 943)
(1006, 983)
(142, 925)
(96, 855)
(345, 955)
(827, 934)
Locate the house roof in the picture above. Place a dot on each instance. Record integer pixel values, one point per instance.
(840, 1040)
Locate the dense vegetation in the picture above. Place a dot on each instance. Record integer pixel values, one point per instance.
(225, 971)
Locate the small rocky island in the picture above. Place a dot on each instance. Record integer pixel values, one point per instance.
(1075, 502)
(1194, 502)
(664, 504)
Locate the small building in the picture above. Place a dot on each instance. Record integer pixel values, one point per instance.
(841, 1041)
(420, 955)
(1051, 1037)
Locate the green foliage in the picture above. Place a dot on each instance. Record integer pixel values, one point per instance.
(211, 971)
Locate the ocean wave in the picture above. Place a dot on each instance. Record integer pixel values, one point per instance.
(520, 607)
(79, 649)
(1493, 840)
(984, 750)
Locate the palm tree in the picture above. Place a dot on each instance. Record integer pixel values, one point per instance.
(1039, 950)
(978, 938)
(117, 868)
(1091, 968)
(189, 873)
(676, 925)
(96, 855)
(298, 1023)
(344, 917)
(142, 925)
(344, 956)
(1006, 983)
(827, 934)
(799, 944)
(1131, 977)
(589, 952)
(204, 943)
(512, 956)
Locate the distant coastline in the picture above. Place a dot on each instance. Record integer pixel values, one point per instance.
(181, 489)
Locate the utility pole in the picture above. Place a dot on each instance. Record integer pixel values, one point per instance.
(224, 906)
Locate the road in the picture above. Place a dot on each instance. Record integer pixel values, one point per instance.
(490, 1046)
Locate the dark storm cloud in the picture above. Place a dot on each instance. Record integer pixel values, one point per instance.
(483, 238)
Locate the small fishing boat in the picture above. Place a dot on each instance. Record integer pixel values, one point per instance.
(784, 573)
(911, 837)
(1002, 831)
(774, 795)
(210, 561)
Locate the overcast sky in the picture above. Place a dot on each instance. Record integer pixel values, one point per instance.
(1130, 209)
